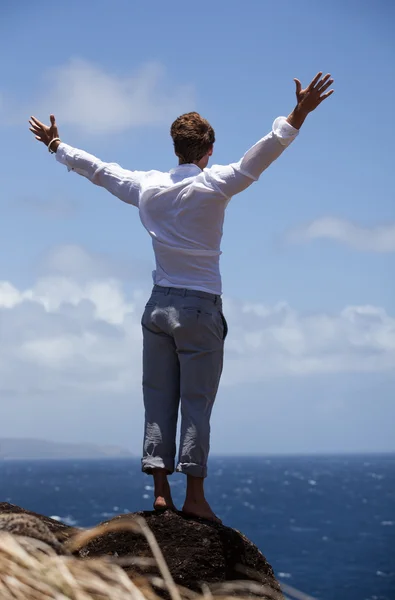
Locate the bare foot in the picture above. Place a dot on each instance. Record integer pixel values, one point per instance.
(163, 503)
(163, 499)
(200, 509)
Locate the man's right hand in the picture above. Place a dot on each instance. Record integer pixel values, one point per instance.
(44, 133)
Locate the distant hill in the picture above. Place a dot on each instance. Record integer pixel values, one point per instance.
(23, 448)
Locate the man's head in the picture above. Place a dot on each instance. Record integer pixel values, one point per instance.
(193, 139)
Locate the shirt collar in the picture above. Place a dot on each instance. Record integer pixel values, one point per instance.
(187, 168)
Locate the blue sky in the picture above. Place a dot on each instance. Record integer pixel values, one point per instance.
(308, 252)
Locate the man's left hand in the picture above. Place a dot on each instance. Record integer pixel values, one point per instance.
(309, 98)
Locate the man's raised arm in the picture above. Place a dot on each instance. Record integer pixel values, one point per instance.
(120, 182)
(236, 177)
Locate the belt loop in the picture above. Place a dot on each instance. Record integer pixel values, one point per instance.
(184, 292)
(167, 291)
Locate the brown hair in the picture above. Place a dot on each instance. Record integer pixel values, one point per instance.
(193, 137)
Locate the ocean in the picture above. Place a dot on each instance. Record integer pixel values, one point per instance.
(325, 523)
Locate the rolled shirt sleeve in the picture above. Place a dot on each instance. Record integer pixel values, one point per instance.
(122, 183)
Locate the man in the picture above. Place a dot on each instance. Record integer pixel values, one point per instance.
(183, 325)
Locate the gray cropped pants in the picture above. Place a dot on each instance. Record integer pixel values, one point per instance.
(183, 349)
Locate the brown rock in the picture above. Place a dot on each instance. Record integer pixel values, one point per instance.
(196, 551)
(61, 531)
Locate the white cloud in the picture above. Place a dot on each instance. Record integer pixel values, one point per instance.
(276, 340)
(66, 333)
(97, 101)
(368, 239)
(63, 335)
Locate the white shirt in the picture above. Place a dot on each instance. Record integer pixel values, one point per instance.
(183, 210)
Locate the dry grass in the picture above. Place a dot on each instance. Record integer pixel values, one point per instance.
(31, 570)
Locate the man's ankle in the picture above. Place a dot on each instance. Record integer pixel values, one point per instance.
(160, 481)
(195, 490)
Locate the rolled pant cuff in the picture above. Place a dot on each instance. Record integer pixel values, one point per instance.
(149, 463)
(192, 469)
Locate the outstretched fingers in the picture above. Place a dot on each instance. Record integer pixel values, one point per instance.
(325, 96)
(315, 93)
(37, 122)
(315, 80)
(36, 126)
(320, 85)
(323, 82)
(325, 87)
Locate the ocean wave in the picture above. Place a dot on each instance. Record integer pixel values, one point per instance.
(376, 476)
(68, 520)
(303, 529)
